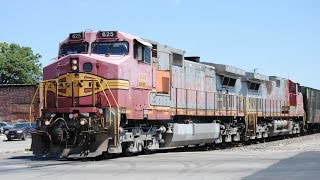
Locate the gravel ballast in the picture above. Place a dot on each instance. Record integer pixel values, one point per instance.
(294, 144)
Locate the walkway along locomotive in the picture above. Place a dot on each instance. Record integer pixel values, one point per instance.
(110, 92)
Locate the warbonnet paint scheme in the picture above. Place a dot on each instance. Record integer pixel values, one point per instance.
(110, 92)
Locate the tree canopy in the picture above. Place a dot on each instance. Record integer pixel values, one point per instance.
(19, 65)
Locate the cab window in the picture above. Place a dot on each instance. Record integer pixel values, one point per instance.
(142, 53)
(139, 54)
(110, 48)
(77, 48)
(147, 52)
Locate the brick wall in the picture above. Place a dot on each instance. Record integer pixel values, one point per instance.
(15, 102)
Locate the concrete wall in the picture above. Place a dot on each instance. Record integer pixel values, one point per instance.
(15, 101)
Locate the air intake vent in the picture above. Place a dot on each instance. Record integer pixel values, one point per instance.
(193, 58)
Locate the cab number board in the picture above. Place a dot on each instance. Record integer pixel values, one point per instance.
(108, 34)
(76, 36)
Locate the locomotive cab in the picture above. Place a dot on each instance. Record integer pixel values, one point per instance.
(86, 91)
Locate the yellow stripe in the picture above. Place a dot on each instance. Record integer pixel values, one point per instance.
(83, 84)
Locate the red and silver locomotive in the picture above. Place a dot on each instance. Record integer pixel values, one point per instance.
(110, 92)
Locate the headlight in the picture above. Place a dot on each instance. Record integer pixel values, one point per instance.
(6, 132)
(20, 131)
(74, 61)
(74, 67)
(74, 64)
(47, 122)
(83, 122)
(70, 116)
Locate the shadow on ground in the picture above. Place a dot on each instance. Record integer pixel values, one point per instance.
(99, 158)
(32, 158)
(305, 166)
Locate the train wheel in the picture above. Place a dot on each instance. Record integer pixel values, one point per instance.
(126, 151)
(224, 145)
(211, 146)
(146, 151)
(262, 140)
(107, 155)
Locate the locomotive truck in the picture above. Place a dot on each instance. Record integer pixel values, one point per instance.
(110, 92)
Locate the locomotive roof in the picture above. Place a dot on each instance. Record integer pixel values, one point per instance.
(227, 70)
(256, 77)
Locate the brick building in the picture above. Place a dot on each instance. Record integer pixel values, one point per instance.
(15, 101)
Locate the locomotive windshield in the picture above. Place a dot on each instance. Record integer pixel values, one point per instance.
(66, 49)
(113, 48)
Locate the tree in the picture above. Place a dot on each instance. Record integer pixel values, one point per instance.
(19, 65)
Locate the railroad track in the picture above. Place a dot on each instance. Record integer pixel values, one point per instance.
(214, 147)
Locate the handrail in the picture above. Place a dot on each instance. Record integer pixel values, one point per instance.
(115, 125)
(242, 104)
(111, 94)
(34, 96)
(30, 107)
(105, 95)
(44, 83)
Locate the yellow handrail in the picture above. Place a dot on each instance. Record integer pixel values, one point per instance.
(115, 124)
(30, 108)
(34, 96)
(107, 100)
(111, 94)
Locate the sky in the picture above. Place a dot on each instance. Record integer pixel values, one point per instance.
(276, 37)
